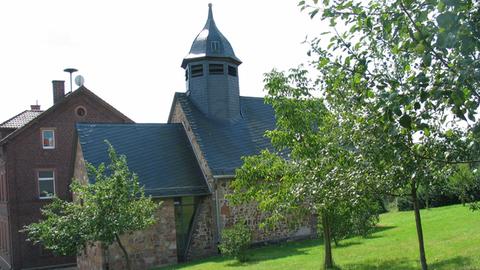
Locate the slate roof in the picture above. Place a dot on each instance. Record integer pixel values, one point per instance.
(160, 154)
(224, 143)
(202, 45)
(21, 119)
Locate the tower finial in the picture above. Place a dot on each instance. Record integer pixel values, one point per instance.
(210, 14)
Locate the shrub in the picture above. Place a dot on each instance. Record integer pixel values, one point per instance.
(355, 221)
(235, 241)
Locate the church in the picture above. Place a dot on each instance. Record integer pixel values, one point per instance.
(188, 162)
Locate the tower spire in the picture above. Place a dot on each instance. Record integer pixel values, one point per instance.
(210, 43)
(211, 73)
(210, 13)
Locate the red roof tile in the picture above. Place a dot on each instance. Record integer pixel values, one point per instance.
(20, 119)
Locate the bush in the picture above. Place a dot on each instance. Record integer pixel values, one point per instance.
(235, 241)
(348, 221)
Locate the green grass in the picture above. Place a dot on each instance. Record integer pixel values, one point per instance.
(452, 241)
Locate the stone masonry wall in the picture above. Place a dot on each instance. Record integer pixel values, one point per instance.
(153, 247)
(93, 257)
(229, 215)
(202, 242)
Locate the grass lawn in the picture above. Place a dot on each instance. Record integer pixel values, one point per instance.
(452, 241)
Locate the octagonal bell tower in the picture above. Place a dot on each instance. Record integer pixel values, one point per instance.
(211, 72)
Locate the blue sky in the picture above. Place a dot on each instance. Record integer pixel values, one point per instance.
(130, 52)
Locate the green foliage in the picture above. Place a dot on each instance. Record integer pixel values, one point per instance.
(235, 241)
(62, 230)
(465, 182)
(112, 206)
(357, 221)
(416, 63)
(393, 107)
(313, 168)
(408, 73)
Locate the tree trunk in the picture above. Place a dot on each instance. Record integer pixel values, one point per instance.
(125, 254)
(418, 223)
(327, 239)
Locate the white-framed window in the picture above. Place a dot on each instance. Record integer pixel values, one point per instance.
(48, 138)
(46, 184)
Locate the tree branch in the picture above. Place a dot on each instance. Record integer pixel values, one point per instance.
(432, 50)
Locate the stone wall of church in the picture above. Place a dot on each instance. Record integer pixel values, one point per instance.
(202, 242)
(229, 215)
(155, 246)
(93, 257)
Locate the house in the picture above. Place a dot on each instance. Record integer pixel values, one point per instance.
(36, 163)
(188, 162)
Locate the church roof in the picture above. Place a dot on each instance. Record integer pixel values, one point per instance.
(224, 143)
(160, 154)
(210, 42)
(21, 119)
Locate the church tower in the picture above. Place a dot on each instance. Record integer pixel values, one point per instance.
(211, 73)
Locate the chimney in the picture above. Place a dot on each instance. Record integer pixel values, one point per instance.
(35, 107)
(58, 91)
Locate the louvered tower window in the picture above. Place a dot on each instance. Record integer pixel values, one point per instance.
(215, 69)
(197, 70)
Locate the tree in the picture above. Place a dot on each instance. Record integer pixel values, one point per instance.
(466, 184)
(410, 70)
(112, 206)
(312, 166)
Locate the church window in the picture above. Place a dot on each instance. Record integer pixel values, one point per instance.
(215, 69)
(232, 71)
(197, 70)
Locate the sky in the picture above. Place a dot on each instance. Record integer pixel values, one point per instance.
(129, 52)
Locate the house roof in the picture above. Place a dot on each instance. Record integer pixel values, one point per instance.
(160, 154)
(81, 90)
(20, 119)
(203, 45)
(224, 143)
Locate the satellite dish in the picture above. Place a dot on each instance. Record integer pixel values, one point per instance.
(79, 80)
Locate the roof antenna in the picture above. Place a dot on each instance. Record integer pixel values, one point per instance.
(70, 70)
